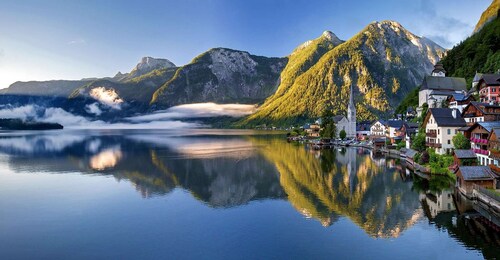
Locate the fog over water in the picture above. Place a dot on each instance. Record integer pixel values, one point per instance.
(165, 119)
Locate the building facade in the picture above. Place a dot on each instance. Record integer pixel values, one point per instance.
(440, 125)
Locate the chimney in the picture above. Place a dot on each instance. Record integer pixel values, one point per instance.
(454, 113)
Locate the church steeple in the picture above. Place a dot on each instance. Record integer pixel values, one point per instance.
(351, 108)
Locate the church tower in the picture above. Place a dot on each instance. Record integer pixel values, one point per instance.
(351, 116)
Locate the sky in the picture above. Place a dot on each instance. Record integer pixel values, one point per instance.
(71, 39)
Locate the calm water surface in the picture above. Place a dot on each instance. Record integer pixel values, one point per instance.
(221, 194)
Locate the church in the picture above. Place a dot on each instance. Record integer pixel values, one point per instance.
(348, 124)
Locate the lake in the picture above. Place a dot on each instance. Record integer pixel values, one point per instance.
(211, 194)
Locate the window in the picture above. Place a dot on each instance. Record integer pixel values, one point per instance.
(449, 142)
(456, 131)
(449, 131)
(438, 130)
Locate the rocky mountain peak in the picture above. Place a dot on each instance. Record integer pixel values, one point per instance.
(148, 63)
(331, 37)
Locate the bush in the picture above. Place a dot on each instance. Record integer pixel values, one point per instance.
(342, 134)
(460, 142)
(424, 158)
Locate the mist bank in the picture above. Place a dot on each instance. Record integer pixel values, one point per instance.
(182, 116)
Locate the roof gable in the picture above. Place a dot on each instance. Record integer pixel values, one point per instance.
(476, 172)
(444, 83)
(465, 154)
(444, 117)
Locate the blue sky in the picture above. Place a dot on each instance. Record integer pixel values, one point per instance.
(41, 40)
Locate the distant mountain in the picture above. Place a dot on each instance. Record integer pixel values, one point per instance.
(52, 88)
(224, 76)
(145, 66)
(490, 14)
(383, 63)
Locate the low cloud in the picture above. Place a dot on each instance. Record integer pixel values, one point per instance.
(77, 42)
(197, 110)
(71, 121)
(93, 109)
(107, 97)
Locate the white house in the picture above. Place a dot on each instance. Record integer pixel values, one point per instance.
(437, 87)
(440, 125)
(378, 129)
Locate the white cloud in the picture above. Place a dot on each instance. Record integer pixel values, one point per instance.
(77, 42)
(108, 97)
(197, 110)
(93, 109)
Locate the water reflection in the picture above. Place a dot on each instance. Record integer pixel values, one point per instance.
(376, 193)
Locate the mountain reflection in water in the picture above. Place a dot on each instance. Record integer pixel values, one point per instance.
(226, 170)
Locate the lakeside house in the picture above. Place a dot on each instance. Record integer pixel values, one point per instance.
(392, 130)
(468, 176)
(479, 134)
(463, 158)
(407, 131)
(378, 129)
(480, 112)
(489, 88)
(312, 130)
(440, 125)
(494, 148)
(436, 88)
(459, 101)
(363, 130)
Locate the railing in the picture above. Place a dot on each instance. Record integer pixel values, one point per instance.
(479, 140)
(481, 151)
(435, 145)
(431, 134)
(489, 193)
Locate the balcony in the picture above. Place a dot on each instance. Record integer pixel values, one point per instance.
(481, 151)
(433, 145)
(479, 140)
(431, 134)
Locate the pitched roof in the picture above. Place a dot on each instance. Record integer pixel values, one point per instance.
(444, 83)
(488, 126)
(444, 117)
(465, 154)
(491, 79)
(337, 118)
(410, 153)
(477, 77)
(395, 123)
(476, 172)
(497, 133)
(481, 106)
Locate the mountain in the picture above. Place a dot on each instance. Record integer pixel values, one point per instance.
(478, 53)
(224, 76)
(490, 14)
(145, 66)
(383, 63)
(52, 88)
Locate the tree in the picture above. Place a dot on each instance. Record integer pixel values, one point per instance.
(418, 142)
(328, 128)
(342, 134)
(460, 142)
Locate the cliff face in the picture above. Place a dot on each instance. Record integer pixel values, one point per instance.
(223, 76)
(383, 63)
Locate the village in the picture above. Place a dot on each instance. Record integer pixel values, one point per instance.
(453, 131)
